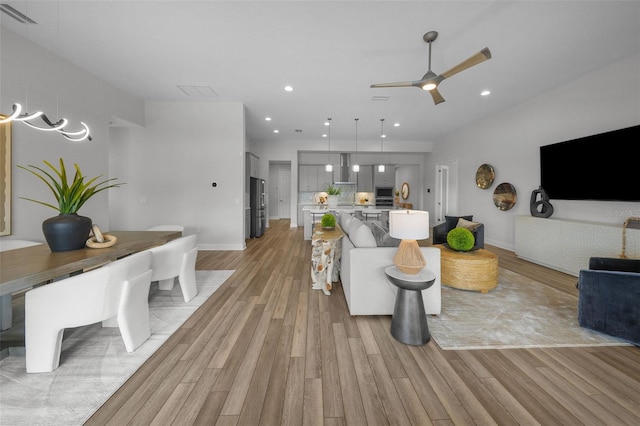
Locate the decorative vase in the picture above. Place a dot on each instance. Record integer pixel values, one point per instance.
(66, 231)
(332, 200)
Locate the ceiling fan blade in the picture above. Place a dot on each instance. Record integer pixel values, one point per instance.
(437, 97)
(397, 84)
(479, 57)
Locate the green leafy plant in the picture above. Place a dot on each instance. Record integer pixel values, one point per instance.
(333, 190)
(70, 197)
(460, 239)
(328, 220)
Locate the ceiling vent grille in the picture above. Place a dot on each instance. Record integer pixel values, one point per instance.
(197, 91)
(380, 98)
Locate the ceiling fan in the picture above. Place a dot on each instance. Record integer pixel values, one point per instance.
(430, 80)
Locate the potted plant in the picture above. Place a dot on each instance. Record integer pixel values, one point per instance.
(328, 222)
(68, 230)
(333, 192)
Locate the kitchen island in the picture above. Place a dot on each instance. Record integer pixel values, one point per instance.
(313, 213)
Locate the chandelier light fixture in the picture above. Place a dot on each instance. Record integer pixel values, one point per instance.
(381, 167)
(329, 166)
(24, 117)
(356, 166)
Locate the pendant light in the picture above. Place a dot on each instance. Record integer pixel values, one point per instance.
(329, 166)
(356, 166)
(26, 118)
(381, 167)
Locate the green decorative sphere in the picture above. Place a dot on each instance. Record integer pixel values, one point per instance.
(460, 239)
(328, 220)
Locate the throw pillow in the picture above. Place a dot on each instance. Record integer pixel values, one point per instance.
(361, 236)
(383, 239)
(471, 226)
(345, 220)
(452, 221)
(355, 223)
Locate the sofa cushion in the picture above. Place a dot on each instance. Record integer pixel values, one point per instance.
(452, 221)
(361, 235)
(463, 223)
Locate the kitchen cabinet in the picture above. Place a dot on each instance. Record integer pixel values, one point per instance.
(365, 179)
(324, 178)
(386, 178)
(313, 178)
(253, 165)
(308, 178)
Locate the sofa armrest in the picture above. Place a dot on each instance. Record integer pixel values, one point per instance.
(478, 234)
(614, 264)
(609, 302)
(440, 232)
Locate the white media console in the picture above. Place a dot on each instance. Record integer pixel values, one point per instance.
(566, 245)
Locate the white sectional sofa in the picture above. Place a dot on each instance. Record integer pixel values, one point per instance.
(362, 269)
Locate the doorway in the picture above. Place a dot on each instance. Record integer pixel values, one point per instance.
(447, 187)
(279, 184)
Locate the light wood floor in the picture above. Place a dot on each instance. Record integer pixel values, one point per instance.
(265, 349)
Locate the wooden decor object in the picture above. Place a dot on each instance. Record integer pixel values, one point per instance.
(633, 223)
(408, 258)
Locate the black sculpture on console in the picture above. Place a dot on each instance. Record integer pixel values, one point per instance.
(540, 207)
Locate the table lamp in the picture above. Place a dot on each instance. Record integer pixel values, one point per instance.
(409, 226)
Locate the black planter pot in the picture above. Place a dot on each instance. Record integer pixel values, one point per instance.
(66, 231)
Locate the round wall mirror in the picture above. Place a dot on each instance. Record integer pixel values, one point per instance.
(405, 191)
(504, 196)
(485, 176)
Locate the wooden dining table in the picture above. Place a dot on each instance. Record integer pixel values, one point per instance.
(28, 266)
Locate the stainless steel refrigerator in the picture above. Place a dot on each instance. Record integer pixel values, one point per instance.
(256, 201)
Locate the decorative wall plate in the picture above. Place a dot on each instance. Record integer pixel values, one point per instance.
(504, 196)
(485, 176)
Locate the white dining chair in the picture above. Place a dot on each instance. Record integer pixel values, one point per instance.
(115, 290)
(127, 298)
(166, 228)
(6, 308)
(177, 258)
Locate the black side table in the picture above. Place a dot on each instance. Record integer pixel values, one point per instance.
(409, 322)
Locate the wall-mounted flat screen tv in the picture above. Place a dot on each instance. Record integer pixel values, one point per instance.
(603, 167)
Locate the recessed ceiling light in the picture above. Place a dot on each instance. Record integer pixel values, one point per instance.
(383, 136)
(324, 135)
(276, 131)
(396, 124)
(288, 88)
(267, 118)
(485, 93)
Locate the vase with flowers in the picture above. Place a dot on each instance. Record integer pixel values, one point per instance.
(68, 230)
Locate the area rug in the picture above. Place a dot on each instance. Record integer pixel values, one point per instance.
(518, 313)
(93, 364)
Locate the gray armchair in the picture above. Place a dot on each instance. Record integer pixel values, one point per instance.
(440, 231)
(609, 297)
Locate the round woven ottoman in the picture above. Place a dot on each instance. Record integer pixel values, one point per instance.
(473, 270)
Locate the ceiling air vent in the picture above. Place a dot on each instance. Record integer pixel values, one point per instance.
(197, 91)
(380, 98)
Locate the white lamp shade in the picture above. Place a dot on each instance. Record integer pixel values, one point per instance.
(409, 224)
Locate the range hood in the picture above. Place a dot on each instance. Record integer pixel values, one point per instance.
(345, 168)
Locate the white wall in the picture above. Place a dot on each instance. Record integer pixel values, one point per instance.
(51, 84)
(170, 165)
(605, 100)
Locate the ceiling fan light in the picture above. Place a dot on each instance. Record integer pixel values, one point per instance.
(429, 86)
